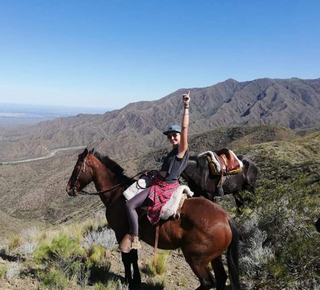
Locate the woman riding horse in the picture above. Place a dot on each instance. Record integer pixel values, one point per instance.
(166, 180)
(204, 230)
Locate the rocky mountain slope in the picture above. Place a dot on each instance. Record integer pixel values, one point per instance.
(34, 192)
(279, 246)
(132, 130)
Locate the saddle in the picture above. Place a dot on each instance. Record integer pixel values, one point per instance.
(222, 162)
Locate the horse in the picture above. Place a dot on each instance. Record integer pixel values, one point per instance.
(203, 183)
(203, 232)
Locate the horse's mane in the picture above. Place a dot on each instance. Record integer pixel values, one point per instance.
(110, 164)
(193, 157)
(202, 163)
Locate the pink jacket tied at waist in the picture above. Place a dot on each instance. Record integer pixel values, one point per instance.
(160, 192)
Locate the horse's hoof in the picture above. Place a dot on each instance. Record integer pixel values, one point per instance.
(134, 284)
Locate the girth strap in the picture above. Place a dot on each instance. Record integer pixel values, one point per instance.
(156, 240)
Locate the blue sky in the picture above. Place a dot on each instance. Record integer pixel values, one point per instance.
(111, 53)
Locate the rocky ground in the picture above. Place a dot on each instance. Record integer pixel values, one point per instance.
(178, 274)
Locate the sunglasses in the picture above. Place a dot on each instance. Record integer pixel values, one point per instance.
(170, 136)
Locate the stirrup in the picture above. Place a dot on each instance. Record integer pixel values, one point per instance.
(219, 191)
(135, 245)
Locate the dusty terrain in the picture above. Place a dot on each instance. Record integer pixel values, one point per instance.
(178, 274)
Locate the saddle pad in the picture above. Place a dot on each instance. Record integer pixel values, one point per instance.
(215, 164)
(172, 205)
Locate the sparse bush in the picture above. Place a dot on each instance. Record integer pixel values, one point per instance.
(29, 240)
(158, 284)
(102, 236)
(161, 266)
(61, 250)
(30, 234)
(64, 255)
(81, 273)
(53, 279)
(254, 253)
(28, 248)
(112, 285)
(15, 242)
(281, 248)
(96, 253)
(13, 270)
(61, 257)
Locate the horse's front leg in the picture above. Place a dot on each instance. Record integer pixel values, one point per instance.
(239, 202)
(129, 259)
(136, 272)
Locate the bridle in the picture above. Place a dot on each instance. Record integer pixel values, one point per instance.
(83, 168)
(83, 192)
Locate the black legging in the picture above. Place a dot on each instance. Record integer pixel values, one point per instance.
(138, 200)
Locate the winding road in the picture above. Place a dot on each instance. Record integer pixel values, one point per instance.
(51, 154)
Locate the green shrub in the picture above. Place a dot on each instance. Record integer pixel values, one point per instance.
(63, 260)
(62, 250)
(96, 254)
(3, 271)
(161, 266)
(284, 210)
(15, 242)
(53, 279)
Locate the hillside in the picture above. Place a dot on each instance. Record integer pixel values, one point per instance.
(234, 138)
(279, 246)
(132, 130)
(36, 190)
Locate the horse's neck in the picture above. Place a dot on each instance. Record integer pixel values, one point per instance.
(102, 177)
(192, 171)
(105, 179)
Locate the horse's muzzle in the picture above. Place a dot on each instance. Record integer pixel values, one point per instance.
(72, 191)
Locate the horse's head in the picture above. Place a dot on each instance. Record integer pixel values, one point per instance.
(82, 174)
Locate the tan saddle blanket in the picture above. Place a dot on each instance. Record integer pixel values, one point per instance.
(222, 162)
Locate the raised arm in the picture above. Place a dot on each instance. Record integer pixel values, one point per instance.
(184, 125)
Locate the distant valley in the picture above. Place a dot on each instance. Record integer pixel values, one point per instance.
(12, 115)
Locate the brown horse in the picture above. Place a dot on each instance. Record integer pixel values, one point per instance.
(203, 183)
(203, 231)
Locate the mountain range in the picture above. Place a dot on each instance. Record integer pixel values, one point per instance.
(131, 131)
(275, 123)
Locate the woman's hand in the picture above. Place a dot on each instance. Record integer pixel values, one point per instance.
(186, 99)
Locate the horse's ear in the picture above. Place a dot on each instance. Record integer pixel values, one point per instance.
(84, 153)
(91, 151)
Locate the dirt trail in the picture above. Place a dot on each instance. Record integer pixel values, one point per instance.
(51, 154)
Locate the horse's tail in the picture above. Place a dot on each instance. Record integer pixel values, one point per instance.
(233, 257)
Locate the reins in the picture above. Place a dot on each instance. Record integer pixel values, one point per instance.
(83, 192)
